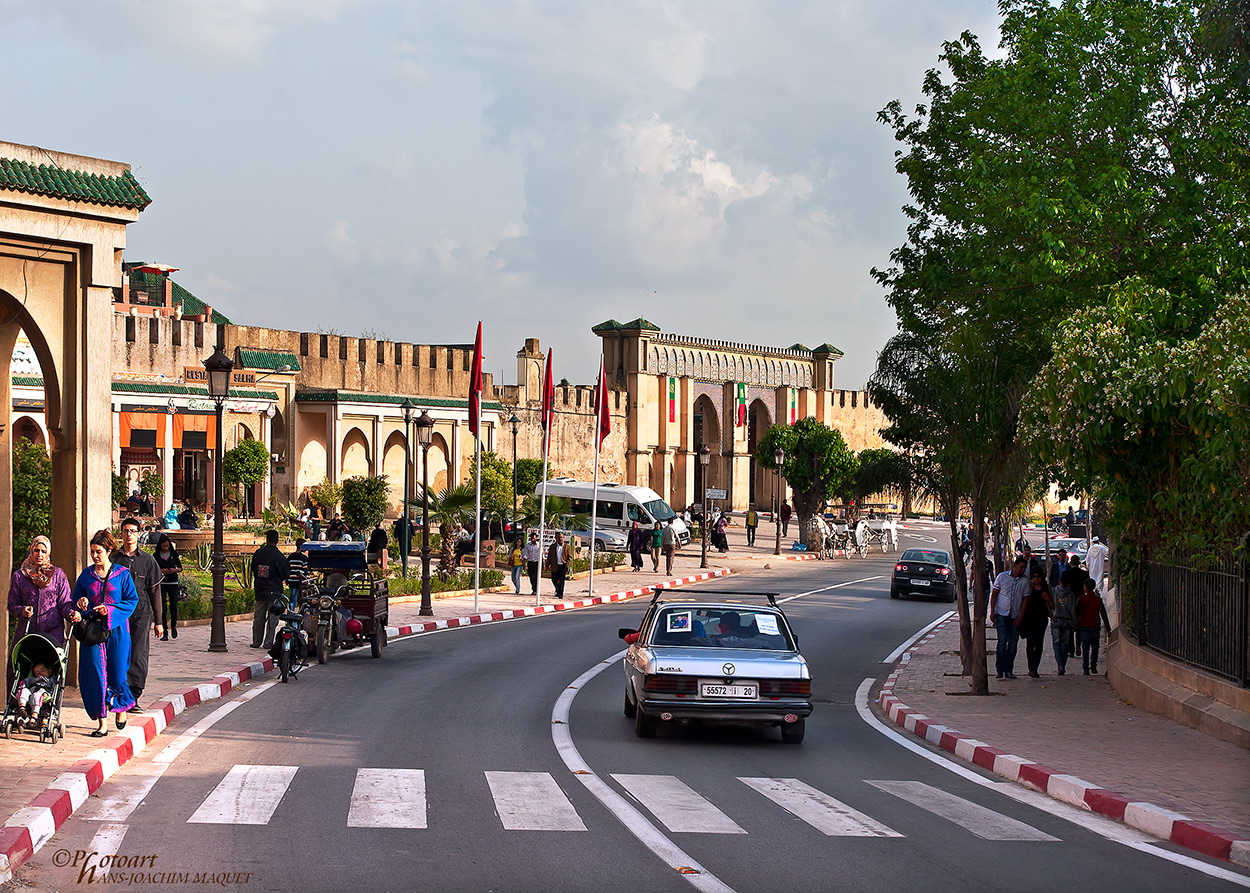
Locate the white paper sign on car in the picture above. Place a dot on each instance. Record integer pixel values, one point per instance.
(767, 624)
(679, 622)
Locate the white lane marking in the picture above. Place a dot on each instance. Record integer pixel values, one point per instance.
(388, 798)
(1096, 824)
(634, 821)
(922, 537)
(894, 655)
(248, 795)
(108, 840)
(827, 588)
(532, 801)
(129, 789)
(984, 823)
(674, 803)
(827, 815)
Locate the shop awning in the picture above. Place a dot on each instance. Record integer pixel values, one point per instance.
(141, 430)
(195, 432)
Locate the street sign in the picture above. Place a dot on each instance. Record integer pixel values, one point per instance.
(713, 493)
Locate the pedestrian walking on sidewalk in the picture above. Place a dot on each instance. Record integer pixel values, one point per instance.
(170, 563)
(1007, 597)
(722, 532)
(39, 598)
(668, 545)
(532, 552)
(108, 590)
(1096, 561)
(1074, 577)
(516, 561)
(786, 512)
(559, 557)
(752, 522)
(296, 571)
(1062, 622)
(270, 571)
(1091, 617)
(1037, 607)
(657, 543)
(377, 548)
(147, 577)
(637, 540)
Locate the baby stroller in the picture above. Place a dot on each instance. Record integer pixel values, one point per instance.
(30, 650)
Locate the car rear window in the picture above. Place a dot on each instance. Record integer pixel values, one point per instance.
(927, 555)
(707, 627)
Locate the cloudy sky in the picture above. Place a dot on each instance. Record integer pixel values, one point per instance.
(409, 168)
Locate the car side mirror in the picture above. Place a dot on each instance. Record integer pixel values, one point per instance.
(624, 631)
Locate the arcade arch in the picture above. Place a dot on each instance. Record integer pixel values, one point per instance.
(393, 468)
(356, 460)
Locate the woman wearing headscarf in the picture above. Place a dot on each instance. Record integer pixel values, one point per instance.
(39, 596)
(108, 590)
(170, 563)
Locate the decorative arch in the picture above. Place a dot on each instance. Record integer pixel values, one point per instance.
(27, 428)
(355, 453)
(655, 359)
(393, 455)
(440, 466)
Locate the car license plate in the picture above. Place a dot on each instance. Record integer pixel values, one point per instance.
(916, 582)
(742, 692)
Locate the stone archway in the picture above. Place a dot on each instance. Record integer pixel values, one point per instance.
(759, 421)
(393, 467)
(63, 222)
(707, 431)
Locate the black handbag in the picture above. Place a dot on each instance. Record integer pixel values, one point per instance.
(91, 630)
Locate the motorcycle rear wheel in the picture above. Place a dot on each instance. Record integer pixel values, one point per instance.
(284, 664)
(323, 644)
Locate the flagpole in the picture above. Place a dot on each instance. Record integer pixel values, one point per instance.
(542, 523)
(594, 513)
(477, 522)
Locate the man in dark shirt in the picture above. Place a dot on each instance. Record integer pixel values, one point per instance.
(270, 571)
(147, 613)
(377, 546)
(297, 569)
(335, 529)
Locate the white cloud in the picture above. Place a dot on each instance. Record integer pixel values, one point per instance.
(339, 242)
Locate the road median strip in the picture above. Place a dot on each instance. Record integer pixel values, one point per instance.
(33, 825)
(1146, 817)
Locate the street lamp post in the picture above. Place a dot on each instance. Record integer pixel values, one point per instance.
(780, 456)
(405, 531)
(514, 420)
(705, 456)
(425, 431)
(218, 367)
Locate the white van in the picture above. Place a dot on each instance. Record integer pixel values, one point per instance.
(620, 505)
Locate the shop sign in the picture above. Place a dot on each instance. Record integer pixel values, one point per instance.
(146, 377)
(244, 407)
(199, 375)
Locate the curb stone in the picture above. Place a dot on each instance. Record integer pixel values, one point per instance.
(32, 826)
(1146, 817)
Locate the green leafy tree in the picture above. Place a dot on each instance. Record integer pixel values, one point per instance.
(119, 490)
(883, 472)
(328, 495)
(529, 474)
(364, 501)
(453, 505)
(246, 464)
(152, 485)
(496, 483)
(818, 465)
(32, 495)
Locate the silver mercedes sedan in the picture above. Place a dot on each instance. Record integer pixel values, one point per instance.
(716, 661)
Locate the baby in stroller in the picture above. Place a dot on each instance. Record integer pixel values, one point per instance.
(34, 701)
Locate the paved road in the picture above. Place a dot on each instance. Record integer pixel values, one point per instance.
(437, 768)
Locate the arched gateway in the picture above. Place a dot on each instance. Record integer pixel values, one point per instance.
(63, 225)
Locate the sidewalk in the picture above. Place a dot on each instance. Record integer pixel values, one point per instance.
(1078, 725)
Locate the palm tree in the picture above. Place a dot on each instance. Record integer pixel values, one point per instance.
(450, 506)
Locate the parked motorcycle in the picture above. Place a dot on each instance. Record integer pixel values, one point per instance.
(328, 607)
(290, 642)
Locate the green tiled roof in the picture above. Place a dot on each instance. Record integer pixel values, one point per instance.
(182, 390)
(797, 346)
(828, 348)
(191, 305)
(27, 381)
(333, 395)
(50, 180)
(610, 325)
(639, 323)
(268, 359)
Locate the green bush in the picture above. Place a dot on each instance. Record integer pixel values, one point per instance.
(462, 579)
(32, 496)
(364, 502)
(119, 490)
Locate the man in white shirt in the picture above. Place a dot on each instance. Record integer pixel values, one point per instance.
(1007, 600)
(1096, 561)
(530, 555)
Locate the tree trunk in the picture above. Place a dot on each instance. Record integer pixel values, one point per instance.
(961, 594)
(980, 673)
(804, 508)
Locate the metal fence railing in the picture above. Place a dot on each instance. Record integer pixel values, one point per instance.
(1197, 612)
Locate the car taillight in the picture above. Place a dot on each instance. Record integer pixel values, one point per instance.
(944, 571)
(900, 567)
(673, 685)
(778, 688)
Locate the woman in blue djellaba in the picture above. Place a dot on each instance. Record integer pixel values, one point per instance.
(109, 590)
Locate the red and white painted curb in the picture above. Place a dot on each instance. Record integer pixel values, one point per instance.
(32, 826)
(1154, 820)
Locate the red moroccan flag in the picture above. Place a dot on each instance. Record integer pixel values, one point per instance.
(475, 387)
(601, 404)
(672, 399)
(549, 397)
(742, 405)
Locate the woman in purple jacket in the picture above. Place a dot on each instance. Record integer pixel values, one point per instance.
(106, 589)
(39, 599)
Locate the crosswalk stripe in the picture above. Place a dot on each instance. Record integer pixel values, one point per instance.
(532, 801)
(108, 840)
(248, 795)
(388, 798)
(818, 809)
(677, 806)
(984, 823)
(124, 795)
